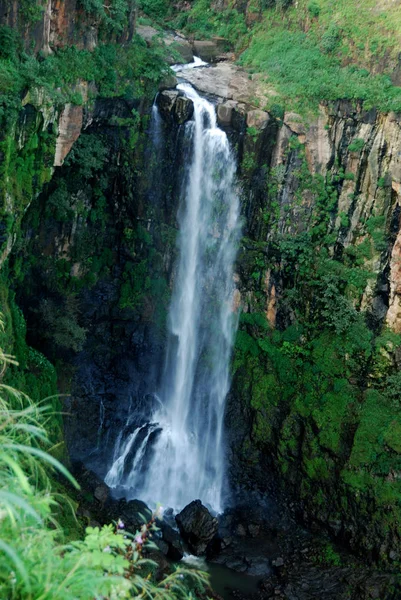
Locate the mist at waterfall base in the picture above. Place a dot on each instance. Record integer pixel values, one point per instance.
(178, 455)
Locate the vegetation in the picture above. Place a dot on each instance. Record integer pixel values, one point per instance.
(323, 381)
(204, 21)
(35, 560)
(308, 53)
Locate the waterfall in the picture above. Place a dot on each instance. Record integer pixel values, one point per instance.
(182, 456)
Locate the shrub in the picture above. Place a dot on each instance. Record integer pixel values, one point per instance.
(113, 13)
(314, 9)
(356, 145)
(156, 9)
(331, 38)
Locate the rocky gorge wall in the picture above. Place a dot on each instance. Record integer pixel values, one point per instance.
(316, 359)
(316, 362)
(314, 404)
(53, 24)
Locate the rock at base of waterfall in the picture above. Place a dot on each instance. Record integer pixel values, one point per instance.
(197, 526)
(133, 514)
(171, 540)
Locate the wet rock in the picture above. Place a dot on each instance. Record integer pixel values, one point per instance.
(173, 105)
(166, 101)
(197, 526)
(254, 530)
(101, 493)
(162, 545)
(163, 566)
(91, 483)
(173, 541)
(259, 566)
(279, 562)
(225, 113)
(133, 514)
(183, 110)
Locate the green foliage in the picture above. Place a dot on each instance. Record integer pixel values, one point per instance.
(331, 38)
(314, 9)
(156, 9)
(305, 71)
(330, 556)
(10, 43)
(116, 70)
(31, 10)
(205, 21)
(113, 14)
(356, 145)
(108, 562)
(323, 391)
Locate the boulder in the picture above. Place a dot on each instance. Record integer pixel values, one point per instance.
(295, 123)
(182, 47)
(173, 105)
(183, 110)
(168, 82)
(166, 101)
(146, 32)
(133, 514)
(197, 526)
(257, 119)
(173, 543)
(225, 113)
(207, 50)
(176, 42)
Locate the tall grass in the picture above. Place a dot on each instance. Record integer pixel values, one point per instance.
(304, 74)
(34, 565)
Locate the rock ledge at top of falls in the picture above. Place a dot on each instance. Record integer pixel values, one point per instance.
(229, 82)
(197, 526)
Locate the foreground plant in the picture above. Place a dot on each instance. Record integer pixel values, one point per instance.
(34, 565)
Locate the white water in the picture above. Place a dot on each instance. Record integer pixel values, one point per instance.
(182, 456)
(197, 62)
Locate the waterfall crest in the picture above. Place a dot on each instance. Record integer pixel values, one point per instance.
(179, 455)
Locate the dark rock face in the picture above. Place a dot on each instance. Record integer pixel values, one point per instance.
(119, 358)
(197, 526)
(133, 514)
(171, 539)
(174, 106)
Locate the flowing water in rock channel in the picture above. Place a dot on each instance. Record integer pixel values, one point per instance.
(179, 455)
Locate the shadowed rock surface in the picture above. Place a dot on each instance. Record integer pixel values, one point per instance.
(197, 526)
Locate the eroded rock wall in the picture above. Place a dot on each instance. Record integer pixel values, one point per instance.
(52, 24)
(322, 206)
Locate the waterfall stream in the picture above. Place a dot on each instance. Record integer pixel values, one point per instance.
(179, 454)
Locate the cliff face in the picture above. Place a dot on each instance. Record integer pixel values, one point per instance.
(357, 150)
(314, 403)
(52, 24)
(316, 359)
(361, 150)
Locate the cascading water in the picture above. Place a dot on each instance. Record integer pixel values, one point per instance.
(179, 455)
